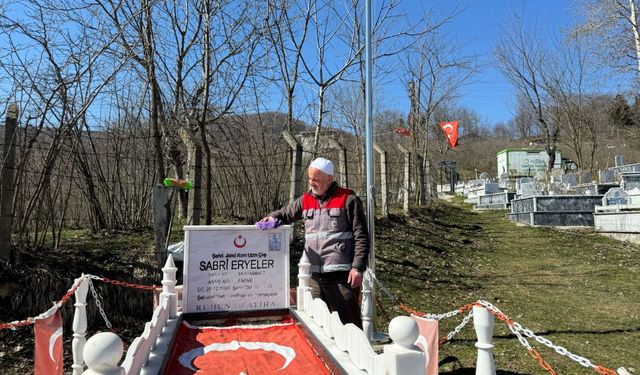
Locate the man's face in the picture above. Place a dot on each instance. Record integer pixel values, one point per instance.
(319, 181)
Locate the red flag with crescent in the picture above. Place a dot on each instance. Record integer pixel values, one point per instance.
(48, 342)
(450, 130)
(280, 348)
(428, 342)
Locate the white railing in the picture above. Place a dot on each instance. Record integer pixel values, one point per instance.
(400, 357)
(102, 352)
(349, 345)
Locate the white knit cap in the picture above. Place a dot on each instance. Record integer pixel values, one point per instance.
(323, 164)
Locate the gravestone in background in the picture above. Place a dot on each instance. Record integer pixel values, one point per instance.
(630, 180)
(606, 175)
(634, 196)
(530, 189)
(521, 181)
(615, 196)
(569, 179)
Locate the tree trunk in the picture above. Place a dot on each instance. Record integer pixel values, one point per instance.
(8, 174)
(195, 201)
(316, 138)
(155, 92)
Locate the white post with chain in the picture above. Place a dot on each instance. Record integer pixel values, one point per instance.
(79, 325)
(483, 323)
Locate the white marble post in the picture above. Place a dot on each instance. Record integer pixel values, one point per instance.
(367, 306)
(79, 325)
(169, 286)
(102, 354)
(304, 274)
(483, 324)
(402, 356)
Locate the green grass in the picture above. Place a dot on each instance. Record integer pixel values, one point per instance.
(579, 289)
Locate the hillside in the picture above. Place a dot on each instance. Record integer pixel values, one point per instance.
(578, 289)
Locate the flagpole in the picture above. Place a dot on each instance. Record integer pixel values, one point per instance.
(369, 326)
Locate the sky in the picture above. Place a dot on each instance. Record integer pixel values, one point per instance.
(477, 28)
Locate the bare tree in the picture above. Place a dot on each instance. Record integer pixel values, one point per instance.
(59, 64)
(435, 75)
(134, 21)
(611, 26)
(568, 83)
(286, 31)
(523, 60)
(524, 121)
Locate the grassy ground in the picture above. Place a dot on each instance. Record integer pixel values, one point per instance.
(578, 289)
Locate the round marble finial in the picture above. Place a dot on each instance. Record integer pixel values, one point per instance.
(403, 330)
(103, 351)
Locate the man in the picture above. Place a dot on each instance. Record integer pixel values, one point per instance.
(336, 240)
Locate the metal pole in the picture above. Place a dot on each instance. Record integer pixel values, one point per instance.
(369, 150)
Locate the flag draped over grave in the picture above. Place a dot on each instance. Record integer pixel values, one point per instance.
(279, 348)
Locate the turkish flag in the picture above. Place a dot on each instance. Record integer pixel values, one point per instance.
(280, 348)
(48, 351)
(450, 130)
(428, 342)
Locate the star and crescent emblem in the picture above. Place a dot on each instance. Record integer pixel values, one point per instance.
(240, 242)
(186, 359)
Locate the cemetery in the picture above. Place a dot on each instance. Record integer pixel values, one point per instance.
(610, 203)
(169, 203)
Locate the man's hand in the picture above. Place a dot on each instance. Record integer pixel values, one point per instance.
(268, 222)
(355, 278)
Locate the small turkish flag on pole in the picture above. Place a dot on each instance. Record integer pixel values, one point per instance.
(450, 130)
(48, 351)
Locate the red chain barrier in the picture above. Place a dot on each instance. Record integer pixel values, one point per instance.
(604, 371)
(128, 285)
(410, 310)
(503, 317)
(467, 307)
(30, 321)
(536, 355)
(14, 325)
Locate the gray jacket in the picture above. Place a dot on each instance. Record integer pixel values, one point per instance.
(336, 235)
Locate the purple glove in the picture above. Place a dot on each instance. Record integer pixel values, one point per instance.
(264, 225)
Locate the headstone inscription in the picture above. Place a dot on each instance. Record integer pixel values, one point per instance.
(615, 196)
(530, 189)
(235, 268)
